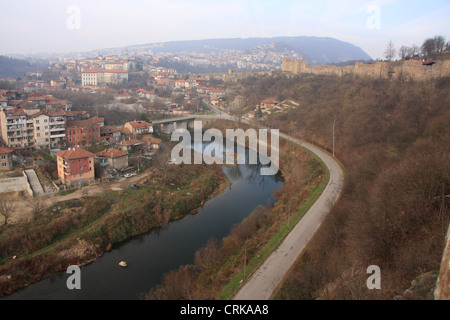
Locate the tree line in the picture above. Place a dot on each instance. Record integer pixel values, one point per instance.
(430, 47)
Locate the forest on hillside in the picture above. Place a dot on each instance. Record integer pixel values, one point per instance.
(12, 67)
(394, 140)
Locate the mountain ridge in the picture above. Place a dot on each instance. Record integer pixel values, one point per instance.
(314, 50)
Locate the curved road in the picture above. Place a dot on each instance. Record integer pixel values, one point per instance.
(266, 279)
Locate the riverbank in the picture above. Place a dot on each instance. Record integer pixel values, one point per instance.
(222, 265)
(79, 231)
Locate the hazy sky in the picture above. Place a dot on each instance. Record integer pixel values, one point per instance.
(58, 26)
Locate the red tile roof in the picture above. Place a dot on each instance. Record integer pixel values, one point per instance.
(5, 150)
(140, 124)
(74, 153)
(112, 153)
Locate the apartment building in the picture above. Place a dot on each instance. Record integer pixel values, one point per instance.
(100, 77)
(75, 166)
(16, 128)
(84, 132)
(49, 129)
(6, 162)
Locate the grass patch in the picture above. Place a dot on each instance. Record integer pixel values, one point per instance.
(259, 257)
(66, 192)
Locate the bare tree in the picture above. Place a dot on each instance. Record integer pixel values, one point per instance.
(7, 208)
(403, 52)
(429, 47)
(38, 206)
(413, 51)
(389, 53)
(439, 42)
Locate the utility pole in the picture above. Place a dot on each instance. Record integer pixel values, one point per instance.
(289, 214)
(334, 125)
(245, 258)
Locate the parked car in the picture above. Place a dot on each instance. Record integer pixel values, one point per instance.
(129, 175)
(134, 186)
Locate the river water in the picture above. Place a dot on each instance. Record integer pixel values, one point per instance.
(155, 253)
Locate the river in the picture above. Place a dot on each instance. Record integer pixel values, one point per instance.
(153, 254)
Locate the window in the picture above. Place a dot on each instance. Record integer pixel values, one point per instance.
(4, 164)
(3, 157)
(37, 122)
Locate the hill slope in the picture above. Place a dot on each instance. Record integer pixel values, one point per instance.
(315, 50)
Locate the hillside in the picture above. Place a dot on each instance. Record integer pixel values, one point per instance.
(314, 50)
(11, 67)
(393, 137)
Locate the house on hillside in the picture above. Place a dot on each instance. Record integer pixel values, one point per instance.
(139, 127)
(6, 162)
(131, 145)
(113, 158)
(75, 166)
(151, 142)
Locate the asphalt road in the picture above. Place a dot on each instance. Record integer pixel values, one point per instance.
(264, 281)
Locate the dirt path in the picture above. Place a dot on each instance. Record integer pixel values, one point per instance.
(24, 211)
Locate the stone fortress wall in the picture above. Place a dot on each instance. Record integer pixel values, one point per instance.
(402, 70)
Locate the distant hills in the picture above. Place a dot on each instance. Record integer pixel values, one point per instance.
(12, 67)
(314, 50)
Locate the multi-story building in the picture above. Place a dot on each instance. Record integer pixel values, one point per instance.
(84, 132)
(75, 166)
(113, 158)
(139, 127)
(16, 128)
(100, 77)
(6, 159)
(49, 129)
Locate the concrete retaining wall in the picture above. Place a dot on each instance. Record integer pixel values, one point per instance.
(442, 291)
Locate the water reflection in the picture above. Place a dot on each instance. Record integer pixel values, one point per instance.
(151, 255)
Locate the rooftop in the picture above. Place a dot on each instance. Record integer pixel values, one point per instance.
(74, 153)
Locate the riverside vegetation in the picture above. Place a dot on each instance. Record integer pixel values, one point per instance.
(394, 139)
(217, 271)
(77, 232)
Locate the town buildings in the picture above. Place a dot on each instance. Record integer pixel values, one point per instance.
(16, 128)
(6, 162)
(139, 127)
(84, 132)
(75, 166)
(102, 77)
(114, 158)
(49, 129)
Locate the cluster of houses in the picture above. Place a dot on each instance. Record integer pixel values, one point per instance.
(37, 122)
(76, 165)
(270, 106)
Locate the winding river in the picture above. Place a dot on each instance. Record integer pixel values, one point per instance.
(155, 253)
